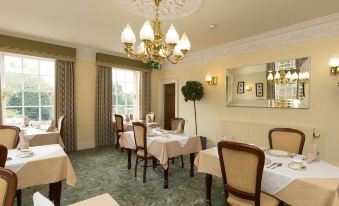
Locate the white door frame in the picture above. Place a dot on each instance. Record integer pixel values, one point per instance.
(161, 99)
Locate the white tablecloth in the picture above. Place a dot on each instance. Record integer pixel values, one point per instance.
(38, 152)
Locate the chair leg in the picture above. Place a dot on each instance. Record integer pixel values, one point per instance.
(136, 166)
(18, 197)
(117, 144)
(145, 169)
(182, 161)
(154, 162)
(172, 160)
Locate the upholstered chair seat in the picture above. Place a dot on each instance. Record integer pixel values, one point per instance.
(119, 127)
(8, 186)
(141, 153)
(265, 200)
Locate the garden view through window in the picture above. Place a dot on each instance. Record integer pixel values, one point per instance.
(125, 91)
(28, 88)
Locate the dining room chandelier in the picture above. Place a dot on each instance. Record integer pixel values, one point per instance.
(287, 77)
(154, 46)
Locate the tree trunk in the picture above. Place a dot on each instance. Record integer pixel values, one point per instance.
(195, 117)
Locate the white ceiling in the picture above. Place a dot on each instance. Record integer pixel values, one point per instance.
(98, 24)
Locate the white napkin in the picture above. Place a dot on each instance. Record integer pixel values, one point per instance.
(51, 127)
(313, 153)
(179, 129)
(23, 142)
(40, 200)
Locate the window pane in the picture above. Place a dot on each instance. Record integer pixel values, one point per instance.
(119, 87)
(114, 99)
(120, 109)
(31, 98)
(13, 64)
(30, 66)
(47, 68)
(120, 75)
(46, 113)
(32, 113)
(13, 81)
(47, 99)
(13, 115)
(130, 110)
(130, 99)
(13, 98)
(47, 83)
(130, 76)
(31, 82)
(121, 99)
(129, 88)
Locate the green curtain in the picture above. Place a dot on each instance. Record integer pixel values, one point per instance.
(144, 94)
(103, 107)
(65, 102)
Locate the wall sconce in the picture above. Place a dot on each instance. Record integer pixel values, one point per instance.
(248, 88)
(334, 65)
(211, 80)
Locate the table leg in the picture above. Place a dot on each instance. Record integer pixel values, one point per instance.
(192, 155)
(129, 154)
(165, 178)
(18, 197)
(55, 192)
(208, 181)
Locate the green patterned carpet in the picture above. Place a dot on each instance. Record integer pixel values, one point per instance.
(105, 171)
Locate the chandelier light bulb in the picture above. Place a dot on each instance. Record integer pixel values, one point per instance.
(270, 77)
(177, 51)
(141, 48)
(277, 76)
(301, 76)
(172, 37)
(146, 32)
(306, 75)
(295, 76)
(184, 43)
(127, 35)
(288, 76)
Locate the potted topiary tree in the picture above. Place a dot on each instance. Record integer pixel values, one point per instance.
(193, 91)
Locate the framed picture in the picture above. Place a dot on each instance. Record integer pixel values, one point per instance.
(259, 89)
(241, 87)
(302, 89)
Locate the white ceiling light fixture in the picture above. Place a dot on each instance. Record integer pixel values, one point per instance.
(154, 46)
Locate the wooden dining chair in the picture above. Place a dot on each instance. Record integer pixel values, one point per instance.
(174, 125)
(8, 185)
(140, 137)
(242, 167)
(9, 136)
(287, 139)
(3, 155)
(150, 117)
(119, 127)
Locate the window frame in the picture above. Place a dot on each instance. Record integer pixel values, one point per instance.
(23, 90)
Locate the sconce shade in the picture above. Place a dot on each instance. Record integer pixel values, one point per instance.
(211, 80)
(333, 63)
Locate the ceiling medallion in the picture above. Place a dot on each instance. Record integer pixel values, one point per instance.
(154, 46)
(169, 9)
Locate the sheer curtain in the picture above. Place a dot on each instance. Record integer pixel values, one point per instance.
(103, 107)
(65, 101)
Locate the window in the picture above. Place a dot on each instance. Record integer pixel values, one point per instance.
(125, 91)
(28, 88)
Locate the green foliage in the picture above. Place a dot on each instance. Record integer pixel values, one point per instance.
(193, 91)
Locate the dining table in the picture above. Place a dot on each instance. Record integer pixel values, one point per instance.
(34, 136)
(317, 184)
(100, 200)
(164, 144)
(128, 126)
(39, 165)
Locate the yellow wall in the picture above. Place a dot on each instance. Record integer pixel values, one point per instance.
(85, 102)
(324, 97)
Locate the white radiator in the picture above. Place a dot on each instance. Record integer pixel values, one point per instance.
(257, 133)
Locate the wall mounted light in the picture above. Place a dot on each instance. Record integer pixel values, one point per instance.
(248, 88)
(211, 80)
(333, 63)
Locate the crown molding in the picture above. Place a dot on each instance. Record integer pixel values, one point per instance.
(308, 30)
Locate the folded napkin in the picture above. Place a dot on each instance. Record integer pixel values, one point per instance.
(23, 142)
(149, 118)
(40, 200)
(313, 153)
(51, 127)
(179, 130)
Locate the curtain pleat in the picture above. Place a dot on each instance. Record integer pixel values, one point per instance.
(144, 94)
(1, 94)
(65, 102)
(103, 107)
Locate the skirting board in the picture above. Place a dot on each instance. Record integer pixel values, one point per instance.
(85, 145)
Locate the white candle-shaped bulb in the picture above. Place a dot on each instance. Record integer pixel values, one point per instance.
(172, 36)
(270, 76)
(185, 44)
(146, 32)
(127, 35)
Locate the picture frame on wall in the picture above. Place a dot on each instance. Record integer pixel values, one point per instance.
(241, 87)
(259, 89)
